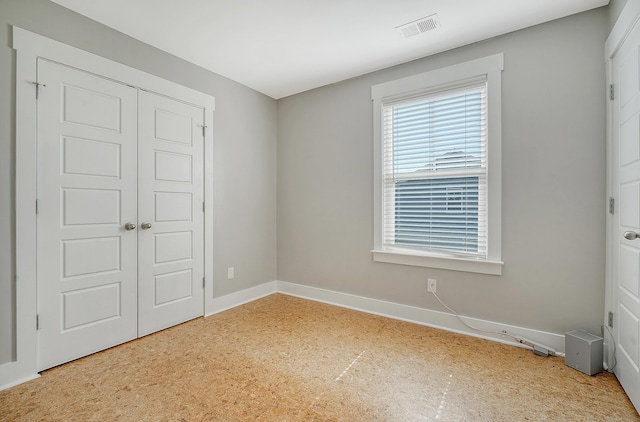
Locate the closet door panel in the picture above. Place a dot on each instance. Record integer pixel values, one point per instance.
(170, 255)
(86, 188)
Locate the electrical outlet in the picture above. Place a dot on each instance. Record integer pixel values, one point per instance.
(231, 273)
(431, 285)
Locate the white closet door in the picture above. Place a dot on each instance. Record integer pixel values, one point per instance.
(86, 177)
(626, 220)
(170, 213)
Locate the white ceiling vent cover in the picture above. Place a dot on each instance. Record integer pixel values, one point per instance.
(419, 26)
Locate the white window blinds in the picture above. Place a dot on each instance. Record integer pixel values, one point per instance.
(435, 172)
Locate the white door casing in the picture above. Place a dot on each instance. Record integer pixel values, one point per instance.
(170, 200)
(86, 181)
(624, 289)
(29, 47)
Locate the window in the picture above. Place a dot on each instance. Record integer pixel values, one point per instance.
(437, 174)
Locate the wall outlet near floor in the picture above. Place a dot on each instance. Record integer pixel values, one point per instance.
(231, 273)
(431, 285)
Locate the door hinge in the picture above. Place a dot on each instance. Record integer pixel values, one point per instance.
(37, 322)
(204, 127)
(37, 207)
(612, 205)
(38, 85)
(203, 282)
(612, 92)
(610, 319)
(203, 207)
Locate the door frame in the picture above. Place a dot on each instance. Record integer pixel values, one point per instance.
(629, 17)
(30, 46)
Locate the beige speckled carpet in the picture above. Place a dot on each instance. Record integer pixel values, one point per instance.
(287, 359)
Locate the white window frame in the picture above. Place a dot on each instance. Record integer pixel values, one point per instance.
(431, 82)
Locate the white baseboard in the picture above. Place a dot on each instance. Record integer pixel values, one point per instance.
(435, 319)
(241, 297)
(19, 381)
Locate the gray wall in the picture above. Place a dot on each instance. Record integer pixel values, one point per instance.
(245, 150)
(553, 208)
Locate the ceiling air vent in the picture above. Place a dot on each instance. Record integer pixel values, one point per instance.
(419, 26)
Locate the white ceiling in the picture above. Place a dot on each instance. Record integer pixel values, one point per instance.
(282, 47)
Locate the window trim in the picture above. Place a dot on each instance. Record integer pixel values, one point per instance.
(419, 85)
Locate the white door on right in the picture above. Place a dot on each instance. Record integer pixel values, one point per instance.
(626, 220)
(170, 212)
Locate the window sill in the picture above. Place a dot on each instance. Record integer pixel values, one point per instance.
(445, 263)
